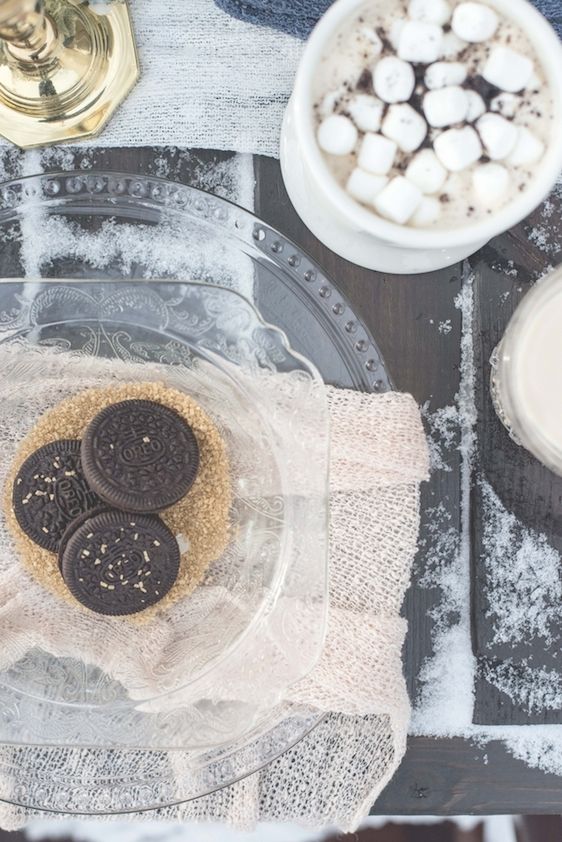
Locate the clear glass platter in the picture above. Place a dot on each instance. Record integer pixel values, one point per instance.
(109, 229)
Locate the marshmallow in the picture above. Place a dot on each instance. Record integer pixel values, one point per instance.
(508, 70)
(405, 126)
(474, 22)
(398, 200)
(490, 183)
(366, 112)
(445, 106)
(376, 154)
(420, 42)
(451, 45)
(444, 73)
(476, 106)
(528, 149)
(498, 135)
(393, 79)
(374, 42)
(534, 82)
(426, 172)
(328, 103)
(395, 32)
(337, 135)
(364, 186)
(430, 11)
(427, 213)
(505, 104)
(458, 148)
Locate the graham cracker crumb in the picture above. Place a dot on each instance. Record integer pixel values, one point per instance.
(200, 520)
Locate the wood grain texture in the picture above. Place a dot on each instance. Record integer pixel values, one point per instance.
(455, 777)
(504, 272)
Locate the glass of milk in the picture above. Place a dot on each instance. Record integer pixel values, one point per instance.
(526, 382)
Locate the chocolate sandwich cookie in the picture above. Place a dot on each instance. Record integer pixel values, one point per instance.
(50, 491)
(140, 456)
(118, 563)
(74, 525)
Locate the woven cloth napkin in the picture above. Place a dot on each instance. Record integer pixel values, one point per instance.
(378, 459)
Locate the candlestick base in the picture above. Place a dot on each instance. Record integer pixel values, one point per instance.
(71, 90)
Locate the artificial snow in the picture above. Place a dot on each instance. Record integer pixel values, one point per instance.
(147, 252)
(524, 592)
(442, 427)
(543, 234)
(534, 688)
(445, 702)
(524, 575)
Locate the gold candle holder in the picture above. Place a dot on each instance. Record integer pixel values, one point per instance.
(65, 66)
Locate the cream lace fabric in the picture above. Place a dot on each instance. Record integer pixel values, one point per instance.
(378, 459)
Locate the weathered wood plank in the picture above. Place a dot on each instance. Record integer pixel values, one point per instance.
(454, 777)
(504, 272)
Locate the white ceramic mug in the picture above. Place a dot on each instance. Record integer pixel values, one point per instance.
(358, 234)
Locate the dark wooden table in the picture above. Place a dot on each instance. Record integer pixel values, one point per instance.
(453, 776)
(437, 776)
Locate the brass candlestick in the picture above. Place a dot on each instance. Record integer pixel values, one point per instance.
(65, 66)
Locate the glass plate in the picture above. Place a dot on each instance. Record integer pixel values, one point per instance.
(269, 405)
(288, 288)
(117, 227)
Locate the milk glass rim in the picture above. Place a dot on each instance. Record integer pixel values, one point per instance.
(509, 357)
(549, 50)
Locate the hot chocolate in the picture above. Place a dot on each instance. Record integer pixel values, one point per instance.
(432, 113)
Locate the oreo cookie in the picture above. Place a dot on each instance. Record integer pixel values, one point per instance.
(74, 525)
(117, 563)
(140, 456)
(50, 491)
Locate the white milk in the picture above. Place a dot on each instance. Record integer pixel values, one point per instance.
(537, 370)
(527, 372)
